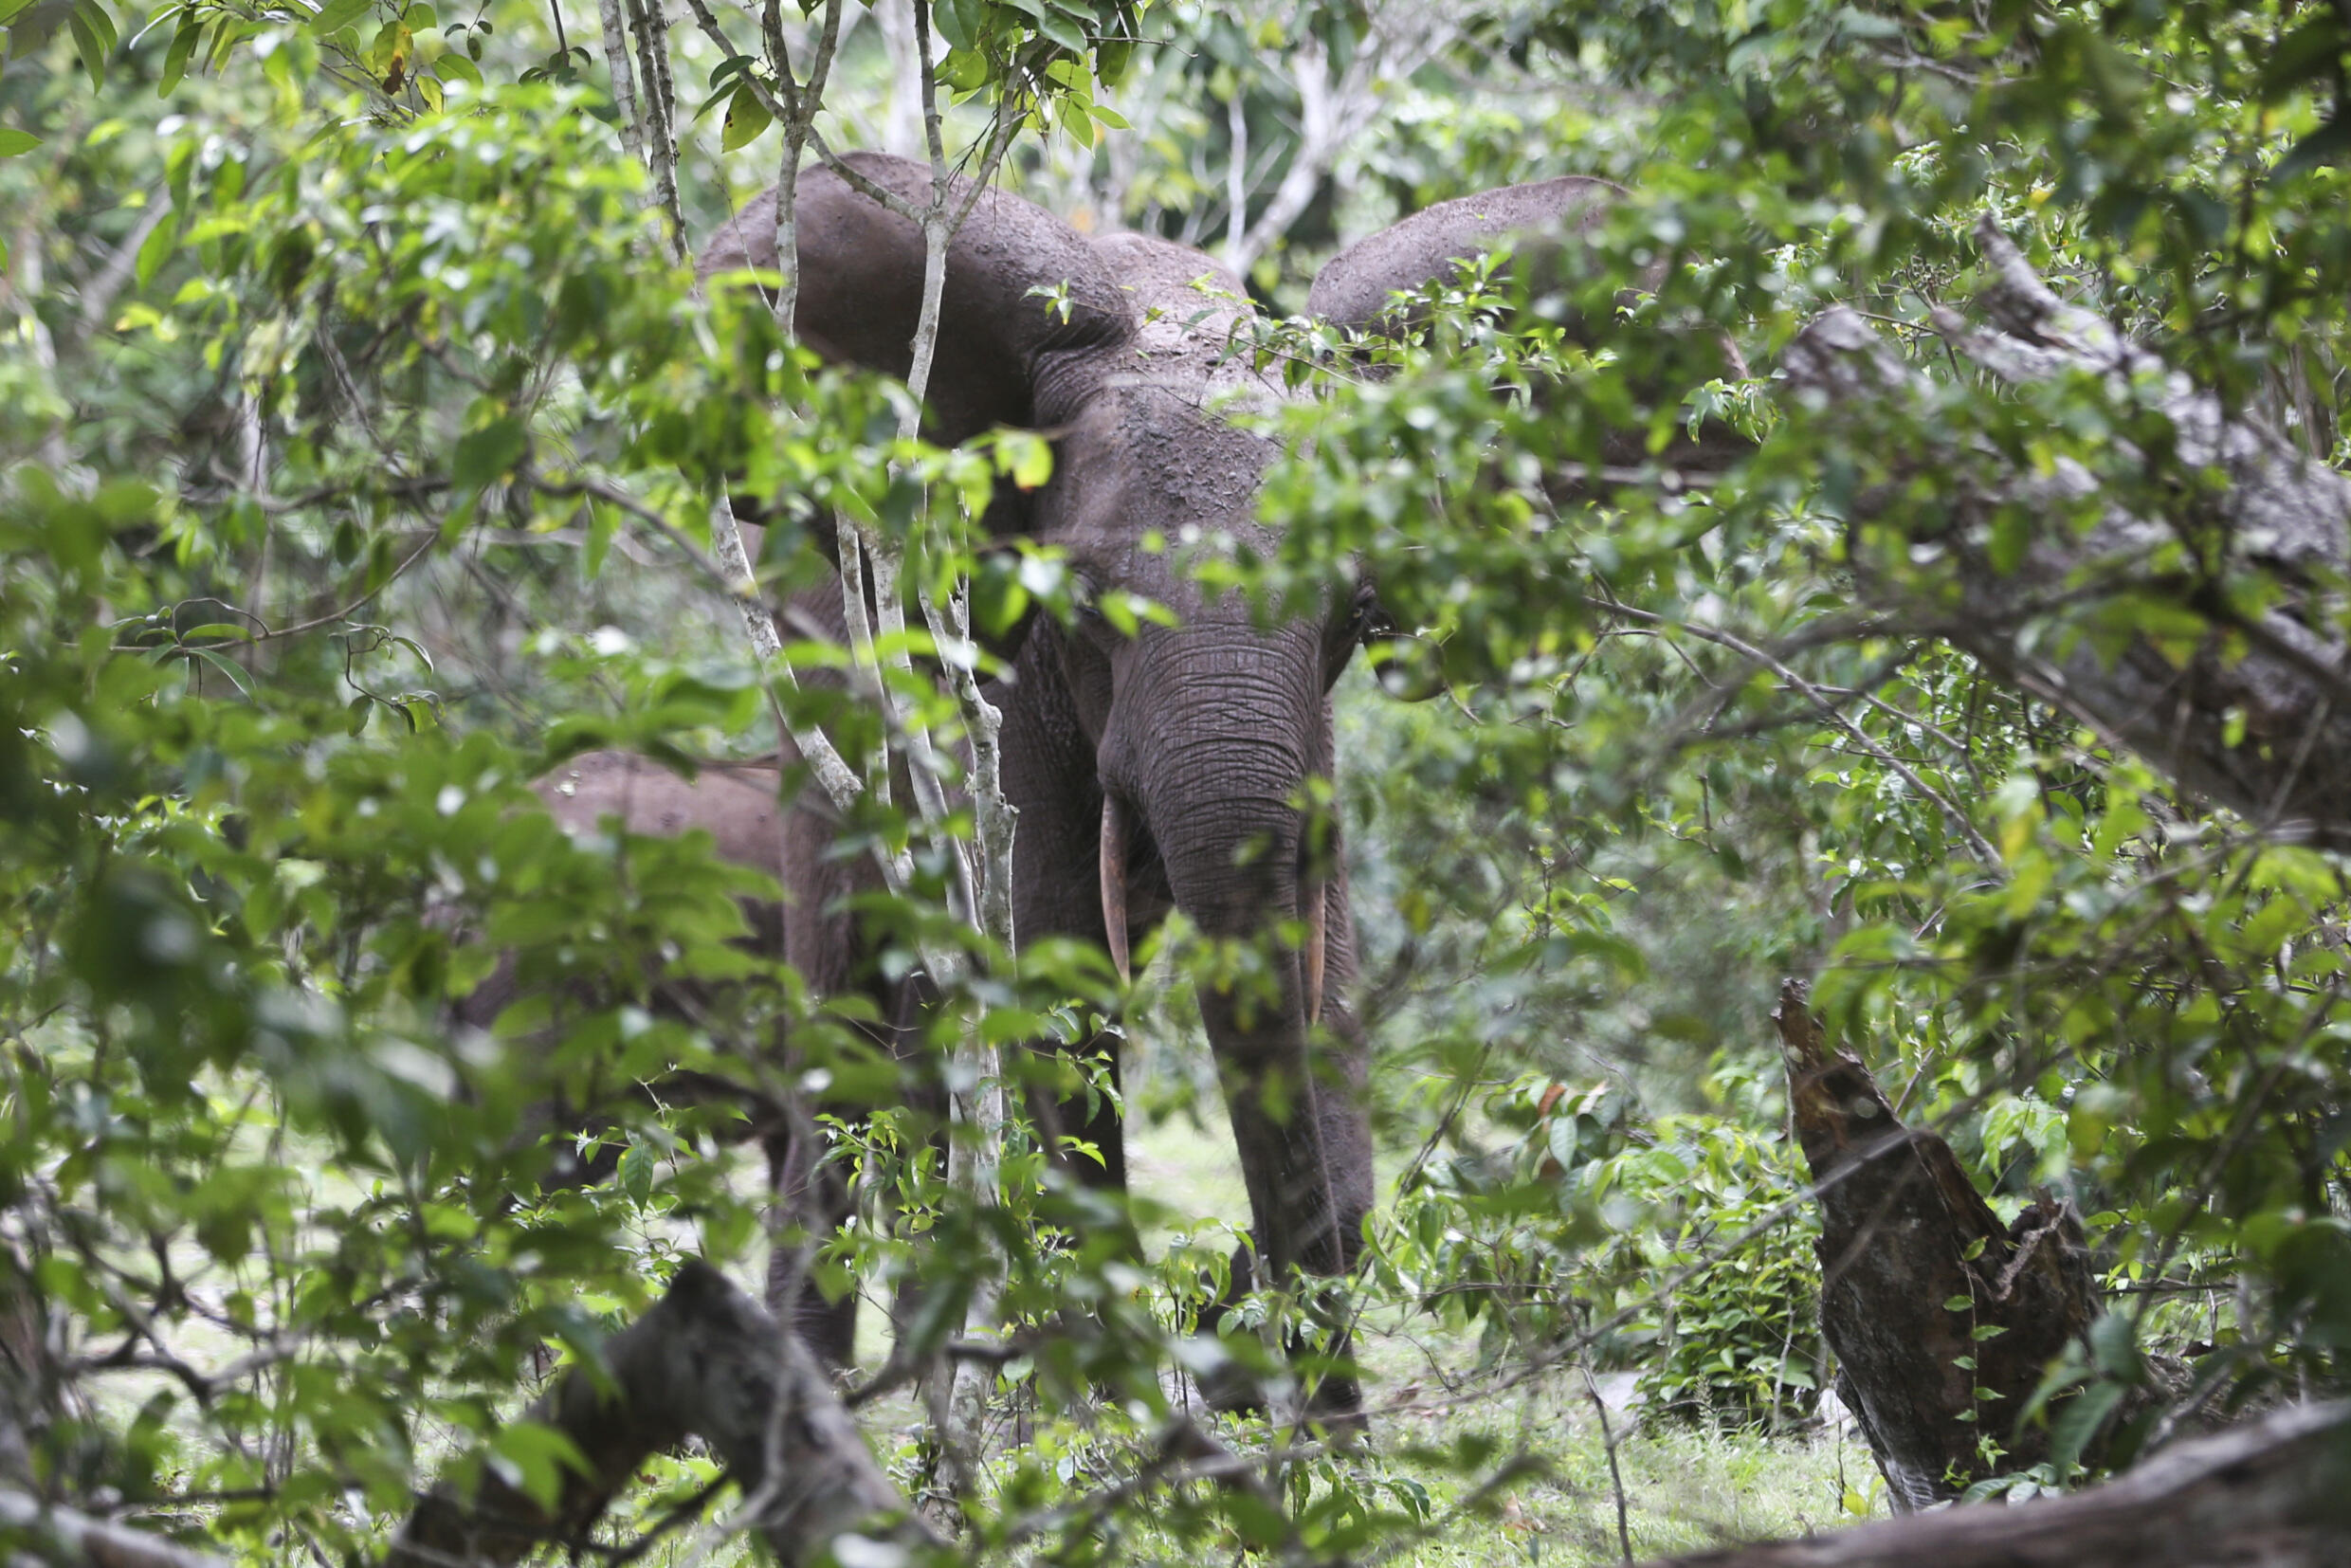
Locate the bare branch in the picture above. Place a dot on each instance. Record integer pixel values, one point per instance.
(616, 20)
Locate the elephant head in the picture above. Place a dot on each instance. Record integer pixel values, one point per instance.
(1164, 769)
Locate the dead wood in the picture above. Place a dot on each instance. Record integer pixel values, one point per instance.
(2275, 1493)
(707, 1361)
(33, 1532)
(1943, 1319)
(2234, 543)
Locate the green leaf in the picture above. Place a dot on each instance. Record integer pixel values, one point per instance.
(1032, 461)
(237, 678)
(603, 524)
(1960, 1303)
(388, 56)
(1062, 30)
(159, 245)
(335, 16)
(225, 38)
(10, 7)
(1111, 57)
(746, 117)
(531, 1457)
(2077, 1421)
(17, 143)
(636, 1173)
(2113, 1347)
(2324, 146)
(94, 38)
(183, 50)
(489, 453)
(957, 22)
(2012, 535)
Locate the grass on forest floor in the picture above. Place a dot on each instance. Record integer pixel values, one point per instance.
(1684, 1488)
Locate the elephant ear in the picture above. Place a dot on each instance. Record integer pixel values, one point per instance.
(1356, 288)
(1542, 223)
(1031, 321)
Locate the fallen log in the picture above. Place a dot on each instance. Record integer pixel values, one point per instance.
(706, 1361)
(2210, 525)
(1944, 1319)
(2276, 1493)
(32, 1531)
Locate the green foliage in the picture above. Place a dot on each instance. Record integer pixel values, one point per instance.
(360, 438)
(1736, 1340)
(1682, 1248)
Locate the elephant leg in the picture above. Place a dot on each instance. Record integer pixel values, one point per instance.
(819, 938)
(815, 1198)
(1049, 775)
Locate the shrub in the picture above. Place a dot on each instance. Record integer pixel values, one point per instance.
(1683, 1246)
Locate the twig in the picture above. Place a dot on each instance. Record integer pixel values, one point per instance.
(1615, 1476)
(615, 25)
(1829, 710)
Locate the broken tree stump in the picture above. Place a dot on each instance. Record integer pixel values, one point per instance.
(1943, 1319)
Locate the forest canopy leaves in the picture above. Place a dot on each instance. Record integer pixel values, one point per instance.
(366, 449)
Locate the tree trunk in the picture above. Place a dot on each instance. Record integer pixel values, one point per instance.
(2276, 1494)
(2247, 703)
(1943, 1319)
(706, 1361)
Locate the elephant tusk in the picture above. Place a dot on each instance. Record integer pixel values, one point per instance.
(1318, 918)
(1114, 884)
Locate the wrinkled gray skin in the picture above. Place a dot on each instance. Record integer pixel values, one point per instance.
(1204, 733)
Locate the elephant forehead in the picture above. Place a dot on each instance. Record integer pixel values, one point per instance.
(1144, 460)
(1190, 310)
(1183, 464)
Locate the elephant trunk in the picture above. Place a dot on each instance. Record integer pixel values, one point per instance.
(1117, 845)
(1212, 772)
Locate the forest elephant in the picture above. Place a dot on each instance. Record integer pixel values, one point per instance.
(1152, 772)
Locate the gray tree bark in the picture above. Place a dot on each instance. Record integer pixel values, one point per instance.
(2248, 705)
